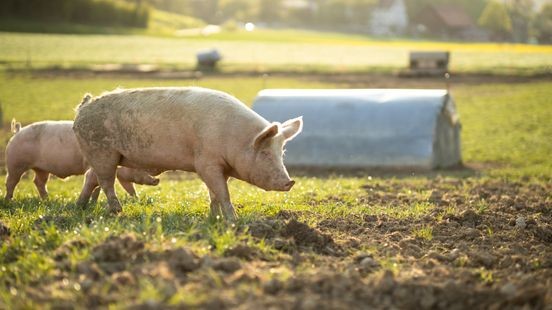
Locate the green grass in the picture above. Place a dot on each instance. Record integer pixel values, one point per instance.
(169, 214)
(31, 99)
(265, 50)
(508, 125)
(166, 23)
(505, 126)
(425, 233)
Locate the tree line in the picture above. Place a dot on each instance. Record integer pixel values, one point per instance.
(504, 20)
(512, 20)
(94, 12)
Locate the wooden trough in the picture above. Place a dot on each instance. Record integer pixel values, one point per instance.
(429, 63)
(367, 128)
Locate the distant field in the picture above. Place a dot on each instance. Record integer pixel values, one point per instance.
(286, 49)
(32, 99)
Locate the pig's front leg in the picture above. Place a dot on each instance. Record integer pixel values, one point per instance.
(40, 180)
(216, 182)
(128, 187)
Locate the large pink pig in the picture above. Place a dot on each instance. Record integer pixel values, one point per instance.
(50, 147)
(191, 129)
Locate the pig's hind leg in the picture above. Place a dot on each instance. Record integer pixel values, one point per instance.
(13, 177)
(95, 194)
(40, 180)
(104, 164)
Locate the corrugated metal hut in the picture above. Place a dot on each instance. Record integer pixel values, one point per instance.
(367, 128)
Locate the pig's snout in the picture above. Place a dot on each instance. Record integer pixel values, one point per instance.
(148, 181)
(288, 185)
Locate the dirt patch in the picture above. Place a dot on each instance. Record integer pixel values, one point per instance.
(117, 249)
(485, 244)
(364, 80)
(62, 253)
(352, 79)
(385, 290)
(243, 251)
(4, 231)
(181, 260)
(286, 233)
(438, 244)
(305, 236)
(44, 221)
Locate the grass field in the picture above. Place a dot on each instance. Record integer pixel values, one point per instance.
(266, 50)
(503, 124)
(441, 240)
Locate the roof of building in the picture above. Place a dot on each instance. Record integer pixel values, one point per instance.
(453, 15)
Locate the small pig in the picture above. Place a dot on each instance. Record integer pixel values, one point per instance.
(51, 147)
(192, 129)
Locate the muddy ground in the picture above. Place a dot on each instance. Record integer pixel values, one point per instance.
(399, 78)
(483, 245)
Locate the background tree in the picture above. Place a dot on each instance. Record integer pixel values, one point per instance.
(495, 19)
(240, 10)
(333, 13)
(93, 12)
(521, 13)
(174, 6)
(206, 10)
(270, 11)
(543, 24)
(361, 11)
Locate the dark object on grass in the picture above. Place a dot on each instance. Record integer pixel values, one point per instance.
(208, 59)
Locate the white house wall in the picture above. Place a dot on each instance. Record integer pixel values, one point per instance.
(388, 21)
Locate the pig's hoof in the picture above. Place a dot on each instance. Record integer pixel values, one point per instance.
(230, 215)
(114, 209)
(82, 204)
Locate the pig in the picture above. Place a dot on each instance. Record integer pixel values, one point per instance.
(184, 128)
(50, 147)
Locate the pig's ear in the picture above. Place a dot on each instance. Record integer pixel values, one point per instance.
(292, 127)
(267, 133)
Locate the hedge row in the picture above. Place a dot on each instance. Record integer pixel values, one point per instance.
(94, 12)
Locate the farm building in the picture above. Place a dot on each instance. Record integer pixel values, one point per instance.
(449, 21)
(389, 17)
(367, 128)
